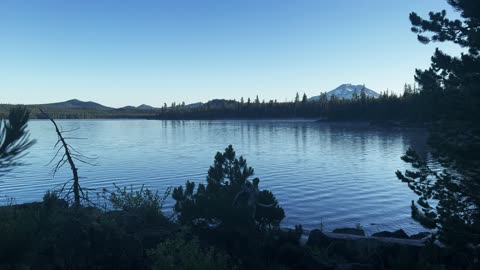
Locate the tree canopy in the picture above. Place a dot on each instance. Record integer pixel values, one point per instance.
(449, 198)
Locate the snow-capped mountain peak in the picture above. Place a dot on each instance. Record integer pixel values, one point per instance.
(347, 91)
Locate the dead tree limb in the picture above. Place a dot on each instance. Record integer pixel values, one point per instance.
(68, 155)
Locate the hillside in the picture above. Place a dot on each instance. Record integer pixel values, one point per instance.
(76, 104)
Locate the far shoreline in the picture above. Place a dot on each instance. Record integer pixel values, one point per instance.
(365, 123)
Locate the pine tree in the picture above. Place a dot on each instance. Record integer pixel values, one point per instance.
(355, 95)
(455, 76)
(407, 90)
(453, 85)
(14, 138)
(229, 199)
(363, 94)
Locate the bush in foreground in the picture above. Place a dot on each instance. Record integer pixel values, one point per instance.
(229, 199)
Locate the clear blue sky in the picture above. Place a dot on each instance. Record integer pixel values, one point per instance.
(131, 52)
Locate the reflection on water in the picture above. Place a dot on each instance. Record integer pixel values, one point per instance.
(340, 173)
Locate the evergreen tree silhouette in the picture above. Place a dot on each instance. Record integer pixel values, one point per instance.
(14, 138)
(451, 86)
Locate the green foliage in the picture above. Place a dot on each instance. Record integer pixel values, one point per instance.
(143, 201)
(85, 238)
(52, 235)
(304, 99)
(187, 255)
(465, 33)
(456, 200)
(18, 227)
(452, 83)
(52, 201)
(449, 199)
(14, 138)
(229, 199)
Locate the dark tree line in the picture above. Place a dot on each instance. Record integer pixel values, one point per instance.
(422, 104)
(410, 106)
(80, 113)
(449, 199)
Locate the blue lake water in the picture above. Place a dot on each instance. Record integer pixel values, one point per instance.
(338, 174)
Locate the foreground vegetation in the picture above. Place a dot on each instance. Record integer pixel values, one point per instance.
(449, 199)
(218, 226)
(53, 235)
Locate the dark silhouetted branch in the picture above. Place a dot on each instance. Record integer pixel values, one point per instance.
(70, 155)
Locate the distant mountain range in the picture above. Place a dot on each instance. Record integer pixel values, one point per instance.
(344, 91)
(90, 105)
(347, 91)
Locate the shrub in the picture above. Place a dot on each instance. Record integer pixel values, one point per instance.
(228, 199)
(179, 254)
(143, 202)
(18, 227)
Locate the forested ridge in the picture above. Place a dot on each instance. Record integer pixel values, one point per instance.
(389, 106)
(414, 105)
(80, 113)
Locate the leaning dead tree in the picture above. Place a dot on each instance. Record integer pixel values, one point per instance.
(70, 155)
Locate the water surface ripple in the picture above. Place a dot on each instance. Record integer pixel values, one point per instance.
(338, 174)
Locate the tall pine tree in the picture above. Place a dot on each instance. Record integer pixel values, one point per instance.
(449, 200)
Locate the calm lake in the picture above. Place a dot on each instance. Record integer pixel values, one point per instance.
(338, 174)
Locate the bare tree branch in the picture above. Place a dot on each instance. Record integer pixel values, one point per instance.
(69, 155)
